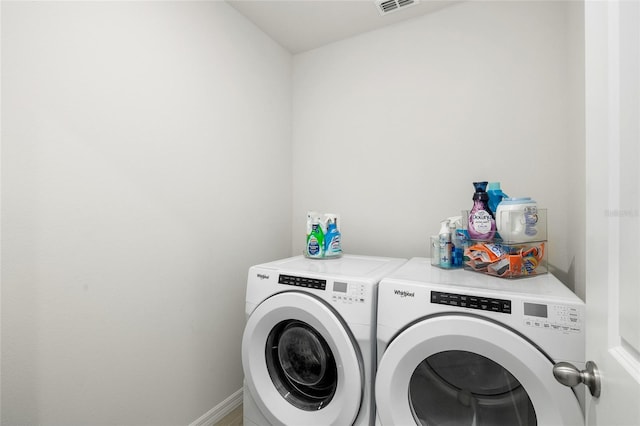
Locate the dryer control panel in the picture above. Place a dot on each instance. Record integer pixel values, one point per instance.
(472, 302)
(565, 318)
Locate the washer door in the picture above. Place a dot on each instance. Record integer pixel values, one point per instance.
(466, 370)
(301, 364)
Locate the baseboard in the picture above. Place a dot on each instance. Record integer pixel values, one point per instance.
(218, 412)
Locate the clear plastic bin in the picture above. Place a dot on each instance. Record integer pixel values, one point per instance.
(522, 253)
(506, 260)
(435, 254)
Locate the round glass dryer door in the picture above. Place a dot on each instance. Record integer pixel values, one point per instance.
(467, 370)
(464, 388)
(301, 363)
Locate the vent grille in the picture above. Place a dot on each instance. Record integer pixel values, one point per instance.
(388, 6)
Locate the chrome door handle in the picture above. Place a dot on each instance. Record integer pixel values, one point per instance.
(569, 375)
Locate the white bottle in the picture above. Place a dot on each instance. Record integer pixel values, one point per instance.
(445, 244)
(517, 219)
(457, 241)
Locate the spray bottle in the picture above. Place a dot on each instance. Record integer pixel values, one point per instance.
(332, 239)
(315, 236)
(458, 239)
(445, 244)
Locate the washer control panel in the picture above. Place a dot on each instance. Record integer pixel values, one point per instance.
(564, 318)
(472, 302)
(348, 292)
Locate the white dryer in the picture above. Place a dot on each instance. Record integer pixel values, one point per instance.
(462, 348)
(308, 349)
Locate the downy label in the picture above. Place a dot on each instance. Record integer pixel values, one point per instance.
(481, 221)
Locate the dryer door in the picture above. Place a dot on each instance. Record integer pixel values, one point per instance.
(301, 363)
(467, 370)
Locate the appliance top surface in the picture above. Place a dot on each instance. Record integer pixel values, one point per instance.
(419, 271)
(351, 266)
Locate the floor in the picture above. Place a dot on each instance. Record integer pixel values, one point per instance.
(234, 418)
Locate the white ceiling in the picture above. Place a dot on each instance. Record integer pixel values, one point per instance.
(301, 25)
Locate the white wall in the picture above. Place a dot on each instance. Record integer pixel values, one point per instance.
(390, 128)
(577, 149)
(143, 146)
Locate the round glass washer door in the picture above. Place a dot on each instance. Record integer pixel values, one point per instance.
(301, 363)
(464, 369)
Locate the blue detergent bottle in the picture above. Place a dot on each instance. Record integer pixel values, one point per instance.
(332, 239)
(495, 195)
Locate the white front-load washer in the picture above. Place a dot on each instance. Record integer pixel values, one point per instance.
(461, 348)
(308, 349)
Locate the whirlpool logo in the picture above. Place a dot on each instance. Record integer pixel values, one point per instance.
(262, 276)
(403, 293)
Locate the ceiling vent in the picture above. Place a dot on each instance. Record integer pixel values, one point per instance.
(388, 6)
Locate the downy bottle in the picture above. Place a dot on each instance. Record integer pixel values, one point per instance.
(482, 223)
